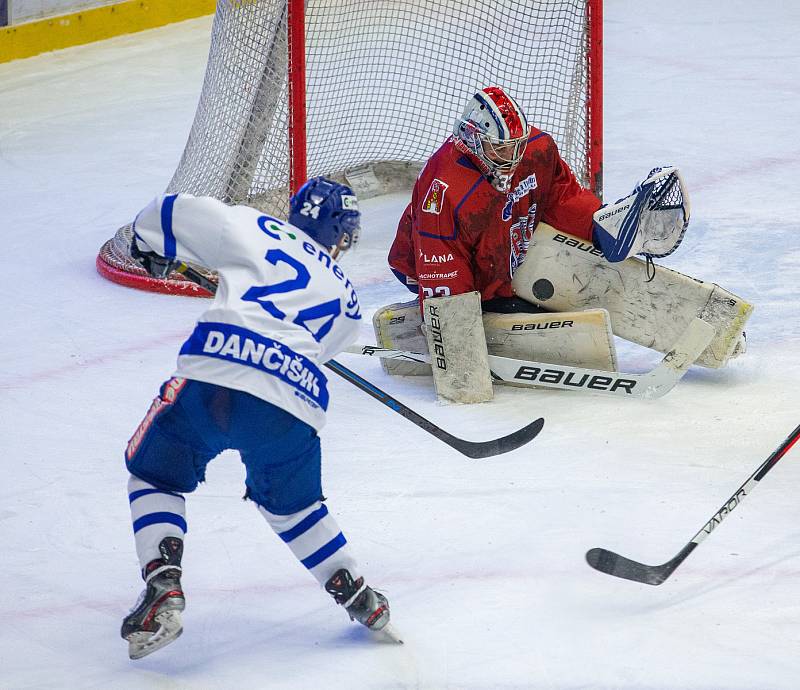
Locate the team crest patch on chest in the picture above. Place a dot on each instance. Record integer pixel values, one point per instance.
(432, 203)
(526, 186)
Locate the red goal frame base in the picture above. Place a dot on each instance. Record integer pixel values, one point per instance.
(122, 270)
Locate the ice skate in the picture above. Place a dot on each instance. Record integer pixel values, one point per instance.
(155, 620)
(362, 603)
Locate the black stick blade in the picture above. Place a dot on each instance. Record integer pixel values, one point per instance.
(612, 563)
(472, 449)
(497, 446)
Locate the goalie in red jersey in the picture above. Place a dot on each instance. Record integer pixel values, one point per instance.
(477, 201)
(470, 226)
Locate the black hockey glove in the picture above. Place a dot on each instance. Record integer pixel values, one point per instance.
(156, 265)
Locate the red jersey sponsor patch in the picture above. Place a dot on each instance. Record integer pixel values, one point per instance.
(435, 258)
(432, 203)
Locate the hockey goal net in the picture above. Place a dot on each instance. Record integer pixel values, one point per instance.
(365, 90)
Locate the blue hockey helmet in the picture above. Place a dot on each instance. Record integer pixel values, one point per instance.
(328, 212)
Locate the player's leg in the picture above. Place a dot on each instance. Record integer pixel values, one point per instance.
(284, 481)
(317, 541)
(166, 459)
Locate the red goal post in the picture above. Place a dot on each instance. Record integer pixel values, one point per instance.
(365, 90)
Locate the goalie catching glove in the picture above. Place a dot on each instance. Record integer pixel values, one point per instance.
(650, 221)
(156, 265)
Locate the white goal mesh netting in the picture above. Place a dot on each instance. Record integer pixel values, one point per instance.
(385, 80)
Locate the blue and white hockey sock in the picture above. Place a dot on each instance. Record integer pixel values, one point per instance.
(156, 514)
(314, 537)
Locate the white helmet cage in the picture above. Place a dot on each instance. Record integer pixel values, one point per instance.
(495, 129)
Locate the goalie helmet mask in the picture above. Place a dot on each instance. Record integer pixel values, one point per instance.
(495, 130)
(327, 211)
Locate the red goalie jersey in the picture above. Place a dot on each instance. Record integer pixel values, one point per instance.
(460, 234)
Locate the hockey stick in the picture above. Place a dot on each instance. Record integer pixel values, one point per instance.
(196, 277)
(650, 385)
(472, 449)
(613, 564)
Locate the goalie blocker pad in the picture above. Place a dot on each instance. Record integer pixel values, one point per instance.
(457, 345)
(581, 339)
(564, 273)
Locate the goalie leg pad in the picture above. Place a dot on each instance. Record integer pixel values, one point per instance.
(457, 344)
(399, 327)
(580, 338)
(564, 273)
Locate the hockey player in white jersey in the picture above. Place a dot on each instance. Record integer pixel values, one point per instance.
(249, 377)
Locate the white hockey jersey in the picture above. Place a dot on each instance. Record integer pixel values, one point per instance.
(283, 305)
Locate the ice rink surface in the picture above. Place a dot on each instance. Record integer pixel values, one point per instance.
(483, 561)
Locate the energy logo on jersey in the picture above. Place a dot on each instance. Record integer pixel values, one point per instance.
(432, 203)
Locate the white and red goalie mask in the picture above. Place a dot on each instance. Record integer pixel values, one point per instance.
(495, 130)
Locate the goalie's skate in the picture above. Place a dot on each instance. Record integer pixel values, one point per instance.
(362, 603)
(155, 620)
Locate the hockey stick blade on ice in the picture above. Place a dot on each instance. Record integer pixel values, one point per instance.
(650, 385)
(613, 564)
(472, 449)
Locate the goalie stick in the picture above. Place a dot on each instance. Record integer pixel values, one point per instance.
(613, 564)
(650, 385)
(472, 449)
